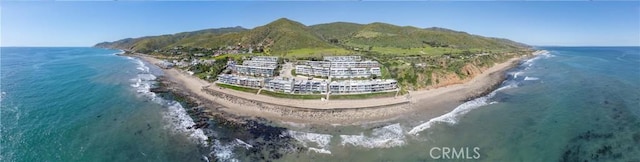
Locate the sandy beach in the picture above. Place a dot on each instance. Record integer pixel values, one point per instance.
(434, 101)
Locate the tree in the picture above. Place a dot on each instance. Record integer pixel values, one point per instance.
(333, 40)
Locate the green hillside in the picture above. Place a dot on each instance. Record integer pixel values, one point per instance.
(392, 39)
(149, 43)
(287, 37)
(337, 30)
(279, 36)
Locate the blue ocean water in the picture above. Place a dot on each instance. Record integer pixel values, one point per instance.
(87, 104)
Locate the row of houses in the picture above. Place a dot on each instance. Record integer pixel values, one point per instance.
(362, 86)
(342, 58)
(258, 66)
(337, 72)
(348, 64)
(340, 67)
(265, 58)
(286, 85)
(184, 63)
(240, 80)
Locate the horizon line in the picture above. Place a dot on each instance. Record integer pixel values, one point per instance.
(29, 46)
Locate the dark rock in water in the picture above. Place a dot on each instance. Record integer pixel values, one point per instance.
(159, 90)
(268, 142)
(98, 116)
(609, 148)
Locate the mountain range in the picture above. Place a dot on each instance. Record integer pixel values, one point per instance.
(284, 35)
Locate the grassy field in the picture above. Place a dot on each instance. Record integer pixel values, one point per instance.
(429, 51)
(310, 52)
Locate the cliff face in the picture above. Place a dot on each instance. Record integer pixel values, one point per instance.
(442, 79)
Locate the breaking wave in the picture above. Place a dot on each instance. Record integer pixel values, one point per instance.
(175, 114)
(452, 117)
(119, 52)
(224, 152)
(321, 141)
(385, 137)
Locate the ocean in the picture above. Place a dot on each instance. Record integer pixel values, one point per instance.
(87, 104)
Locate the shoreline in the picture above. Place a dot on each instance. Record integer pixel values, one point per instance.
(434, 102)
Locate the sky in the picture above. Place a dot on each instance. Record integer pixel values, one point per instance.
(534, 23)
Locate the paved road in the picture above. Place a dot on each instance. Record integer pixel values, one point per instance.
(286, 70)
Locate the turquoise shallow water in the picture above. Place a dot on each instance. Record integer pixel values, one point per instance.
(86, 104)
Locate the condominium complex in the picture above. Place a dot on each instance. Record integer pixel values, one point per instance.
(362, 86)
(334, 66)
(258, 66)
(296, 86)
(240, 80)
(286, 85)
(265, 58)
(342, 58)
(340, 67)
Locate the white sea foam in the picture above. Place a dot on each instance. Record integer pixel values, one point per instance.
(385, 137)
(243, 144)
(452, 117)
(175, 114)
(119, 52)
(542, 55)
(317, 150)
(179, 121)
(224, 152)
(515, 75)
(527, 64)
(531, 78)
(321, 141)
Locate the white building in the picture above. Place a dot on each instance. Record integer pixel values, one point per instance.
(265, 58)
(362, 86)
(279, 85)
(310, 86)
(258, 66)
(342, 58)
(240, 80)
(340, 67)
